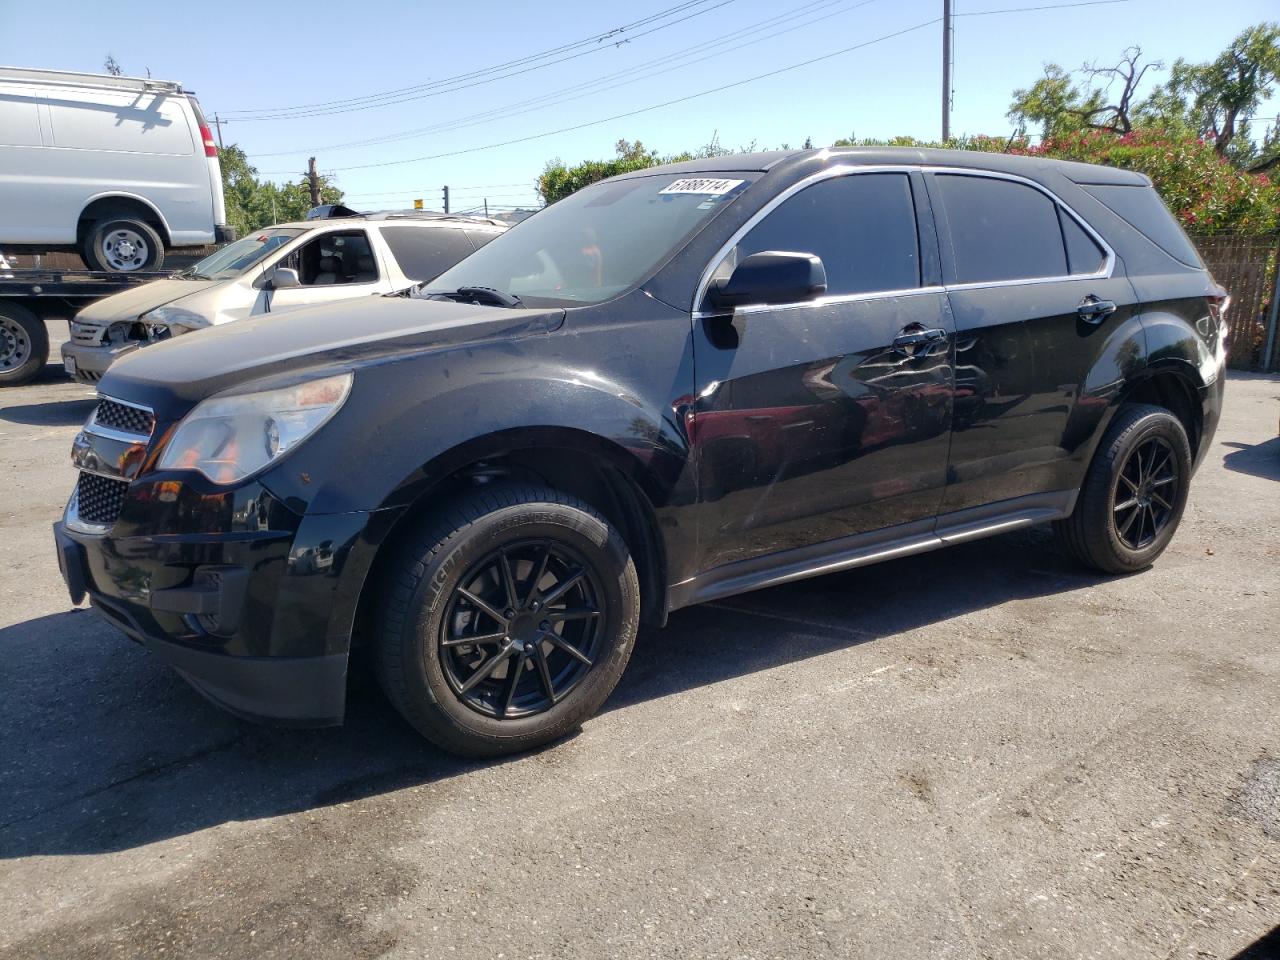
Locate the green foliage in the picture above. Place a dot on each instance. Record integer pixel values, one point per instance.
(1054, 102)
(1220, 96)
(558, 181)
(1206, 192)
(253, 203)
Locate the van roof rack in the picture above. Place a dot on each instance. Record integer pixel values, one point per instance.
(139, 84)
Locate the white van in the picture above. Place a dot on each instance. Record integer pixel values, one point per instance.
(120, 168)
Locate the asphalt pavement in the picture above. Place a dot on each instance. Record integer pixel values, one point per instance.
(983, 752)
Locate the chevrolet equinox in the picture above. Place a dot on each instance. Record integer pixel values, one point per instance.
(675, 385)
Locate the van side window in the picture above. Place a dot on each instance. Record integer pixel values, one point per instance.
(1001, 230)
(332, 258)
(424, 252)
(863, 226)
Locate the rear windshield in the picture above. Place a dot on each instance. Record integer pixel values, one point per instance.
(235, 258)
(1142, 209)
(598, 243)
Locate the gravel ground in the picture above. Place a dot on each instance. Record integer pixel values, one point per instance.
(980, 752)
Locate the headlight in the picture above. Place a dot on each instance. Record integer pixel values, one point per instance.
(230, 438)
(175, 318)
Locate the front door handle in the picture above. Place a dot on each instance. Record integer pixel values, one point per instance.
(915, 340)
(1093, 310)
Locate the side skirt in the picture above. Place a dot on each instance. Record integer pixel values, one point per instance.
(867, 548)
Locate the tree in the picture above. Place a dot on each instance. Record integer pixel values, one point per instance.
(1222, 96)
(112, 66)
(253, 204)
(1060, 106)
(558, 181)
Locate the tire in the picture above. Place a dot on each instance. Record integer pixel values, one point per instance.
(1130, 504)
(24, 345)
(424, 662)
(122, 245)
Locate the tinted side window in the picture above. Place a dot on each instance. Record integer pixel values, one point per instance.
(1001, 230)
(863, 226)
(479, 238)
(423, 252)
(1083, 253)
(1142, 209)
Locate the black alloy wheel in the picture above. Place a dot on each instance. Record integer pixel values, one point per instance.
(522, 629)
(506, 618)
(1145, 493)
(1133, 494)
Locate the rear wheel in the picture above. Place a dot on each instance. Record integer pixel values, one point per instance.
(122, 245)
(24, 344)
(510, 619)
(1133, 495)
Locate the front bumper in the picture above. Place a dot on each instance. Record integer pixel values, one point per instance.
(91, 362)
(258, 622)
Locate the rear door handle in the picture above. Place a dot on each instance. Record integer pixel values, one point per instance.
(915, 340)
(1093, 310)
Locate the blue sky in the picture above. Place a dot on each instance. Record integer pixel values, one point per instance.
(241, 56)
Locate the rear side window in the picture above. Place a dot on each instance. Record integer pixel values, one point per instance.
(1001, 230)
(423, 252)
(1142, 209)
(479, 238)
(1083, 253)
(863, 226)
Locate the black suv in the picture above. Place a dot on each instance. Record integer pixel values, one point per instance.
(675, 385)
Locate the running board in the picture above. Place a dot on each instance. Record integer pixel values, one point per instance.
(862, 549)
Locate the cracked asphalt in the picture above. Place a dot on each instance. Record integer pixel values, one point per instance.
(982, 752)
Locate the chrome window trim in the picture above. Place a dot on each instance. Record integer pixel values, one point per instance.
(846, 169)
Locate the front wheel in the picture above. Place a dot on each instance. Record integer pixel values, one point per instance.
(1133, 495)
(509, 619)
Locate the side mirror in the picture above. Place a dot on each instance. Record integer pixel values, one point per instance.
(283, 277)
(770, 277)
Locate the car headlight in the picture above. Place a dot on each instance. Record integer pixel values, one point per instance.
(176, 319)
(231, 438)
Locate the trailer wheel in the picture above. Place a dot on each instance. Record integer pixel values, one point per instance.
(24, 345)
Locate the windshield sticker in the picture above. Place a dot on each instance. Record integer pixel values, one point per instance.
(714, 187)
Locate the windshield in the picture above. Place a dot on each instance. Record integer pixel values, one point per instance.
(235, 258)
(596, 243)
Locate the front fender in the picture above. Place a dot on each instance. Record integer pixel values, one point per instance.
(399, 431)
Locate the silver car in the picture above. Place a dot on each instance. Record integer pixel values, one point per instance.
(275, 270)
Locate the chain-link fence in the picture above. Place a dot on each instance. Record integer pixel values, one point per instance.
(1247, 267)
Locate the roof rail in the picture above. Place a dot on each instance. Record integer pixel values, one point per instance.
(105, 80)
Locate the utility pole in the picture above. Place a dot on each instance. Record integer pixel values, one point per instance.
(446, 199)
(218, 124)
(946, 71)
(486, 207)
(314, 179)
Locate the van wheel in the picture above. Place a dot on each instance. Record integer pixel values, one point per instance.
(508, 620)
(24, 345)
(120, 245)
(1133, 495)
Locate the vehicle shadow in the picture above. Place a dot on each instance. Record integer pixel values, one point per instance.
(106, 749)
(54, 413)
(1257, 460)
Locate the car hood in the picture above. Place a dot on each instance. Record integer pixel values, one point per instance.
(135, 301)
(174, 374)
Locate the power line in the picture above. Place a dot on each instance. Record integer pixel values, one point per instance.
(479, 78)
(578, 91)
(1052, 6)
(640, 110)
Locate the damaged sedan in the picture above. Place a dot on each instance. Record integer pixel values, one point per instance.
(275, 270)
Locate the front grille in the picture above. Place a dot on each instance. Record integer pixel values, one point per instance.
(84, 334)
(98, 499)
(121, 416)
